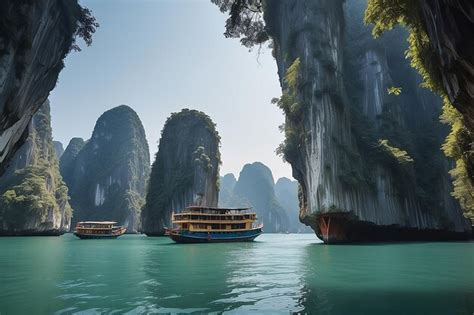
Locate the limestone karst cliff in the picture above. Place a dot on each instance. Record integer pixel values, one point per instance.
(286, 192)
(449, 27)
(349, 131)
(227, 197)
(35, 37)
(185, 171)
(68, 159)
(58, 148)
(441, 49)
(107, 176)
(256, 188)
(33, 196)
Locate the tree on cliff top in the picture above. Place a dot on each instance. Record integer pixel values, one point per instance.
(245, 21)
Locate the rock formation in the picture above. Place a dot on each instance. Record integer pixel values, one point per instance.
(58, 148)
(256, 185)
(107, 178)
(227, 197)
(185, 171)
(34, 39)
(68, 159)
(441, 49)
(255, 188)
(349, 135)
(286, 192)
(449, 27)
(33, 196)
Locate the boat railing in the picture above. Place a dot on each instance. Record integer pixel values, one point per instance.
(257, 225)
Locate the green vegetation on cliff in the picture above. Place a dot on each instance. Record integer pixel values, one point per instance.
(33, 189)
(400, 155)
(385, 15)
(293, 110)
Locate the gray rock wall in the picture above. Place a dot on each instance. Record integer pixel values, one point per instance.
(34, 39)
(185, 171)
(336, 172)
(107, 176)
(33, 196)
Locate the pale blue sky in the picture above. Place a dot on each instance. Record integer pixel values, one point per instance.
(161, 56)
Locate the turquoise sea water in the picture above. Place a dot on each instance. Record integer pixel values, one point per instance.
(278, 274)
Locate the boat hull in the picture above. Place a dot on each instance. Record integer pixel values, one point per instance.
(90, 236)
(114, 234)
(213, 237)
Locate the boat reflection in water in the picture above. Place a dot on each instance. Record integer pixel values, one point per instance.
(98, 229)
(198, 224)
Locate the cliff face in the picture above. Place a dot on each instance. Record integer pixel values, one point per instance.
(33, 196)
(449, 26)
(34, 39)
(185, 171)
(255, 188)
(226, 191)
(346, 138)
(68, 159)
(58, 148)
(107, 178)
(286, 193)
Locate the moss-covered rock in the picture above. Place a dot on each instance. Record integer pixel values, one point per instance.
(33, 196)
(185, 171)
(107, 177)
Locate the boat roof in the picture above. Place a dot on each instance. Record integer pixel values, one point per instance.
(97, 222)
(217, 208)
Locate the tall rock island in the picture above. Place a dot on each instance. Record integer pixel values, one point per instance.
(255, 188)
(107, 175)
(68, 159)
(362, 137)
(185, 171)
(58, 148)
(33, 196)
(286, 192)
(35, 37)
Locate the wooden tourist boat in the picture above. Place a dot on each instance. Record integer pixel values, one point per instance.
(98, 229)
(206, 225)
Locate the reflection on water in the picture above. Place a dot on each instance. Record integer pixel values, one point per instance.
(278, 274)
(265, 281)
(230, 278)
